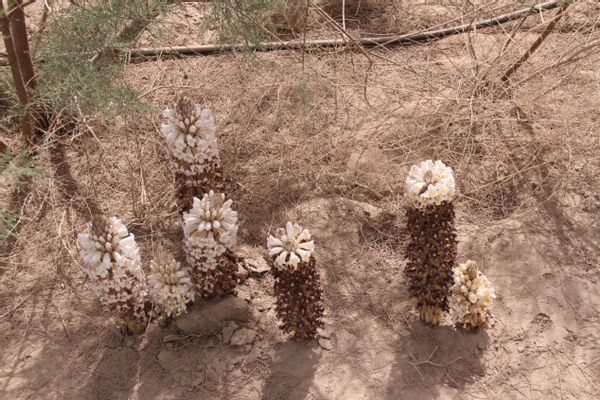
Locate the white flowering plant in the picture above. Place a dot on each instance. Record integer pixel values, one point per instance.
(170, 285)
(470, 297)
(190, 136)
(210, 228)
(210, 232)
(189, 132)
(296, 283)
(112, 262)
(431, 244)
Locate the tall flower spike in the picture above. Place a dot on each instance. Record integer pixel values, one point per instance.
(112, 262)
(297, 284)
(171, 285)
(210, 232)
(470, 297)
(189, 132)
(431, 246)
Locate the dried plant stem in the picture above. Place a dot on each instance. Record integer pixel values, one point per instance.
(304, 33)
(302, 44)
(575, 56)
(344, 14)
(42, 25)
(356, 43)
(535, 45)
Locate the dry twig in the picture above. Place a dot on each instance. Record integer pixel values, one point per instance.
(534, 46)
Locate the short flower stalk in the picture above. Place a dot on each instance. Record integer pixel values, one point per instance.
(470, 298)
(210, 232)
(431, 246)
(112, 262)
(189, 132)
(297, 284)
(170, 285)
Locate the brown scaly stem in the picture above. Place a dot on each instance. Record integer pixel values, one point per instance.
(217, 282)
(431, 255)
(298, 300)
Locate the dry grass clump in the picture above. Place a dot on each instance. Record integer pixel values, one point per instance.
(289, 16)
(380, 17)
(278, 146)
(494, 152)
(502, 138)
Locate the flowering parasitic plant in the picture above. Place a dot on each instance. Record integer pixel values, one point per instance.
(189, 132)
(431, 247)
(112, 262)
(297, 284)
(470, 297)
(210, 232)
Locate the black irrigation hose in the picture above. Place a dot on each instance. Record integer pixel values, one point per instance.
(408, 39)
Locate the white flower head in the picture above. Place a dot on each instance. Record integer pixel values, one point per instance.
(210, 228)
(171, 285)
(111, 260)
(100, 246)
(430, 183)
(290, 246)
(470, 296)
(212, 217)
(190, 134)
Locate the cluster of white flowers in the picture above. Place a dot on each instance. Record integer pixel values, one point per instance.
(112, 262)
(210, 228)
(190, 135)
(430, 183)
(470, 296)
(171, 286)
(290, 246)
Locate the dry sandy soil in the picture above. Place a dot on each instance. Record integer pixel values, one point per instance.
(326, 140)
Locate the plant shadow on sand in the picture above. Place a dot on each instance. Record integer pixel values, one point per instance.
(431, 358)
(292, 371)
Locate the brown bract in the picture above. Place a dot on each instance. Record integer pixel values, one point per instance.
(431, 254)
(198, 185)
(299, 305)
(219, 281)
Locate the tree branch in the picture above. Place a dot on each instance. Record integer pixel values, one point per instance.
(408, 39)
(20, 40)
(19, 82)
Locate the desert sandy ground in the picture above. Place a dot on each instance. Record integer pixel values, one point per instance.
(326, 139)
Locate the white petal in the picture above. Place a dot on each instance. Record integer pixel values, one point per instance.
(281, 258)
(275, 250)
(272, 241)
(289, 230)
(294, 260)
